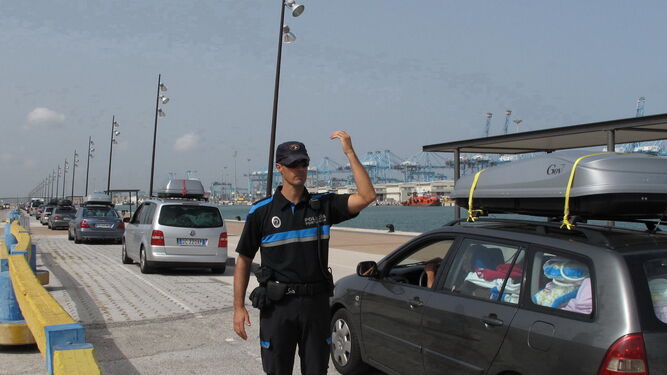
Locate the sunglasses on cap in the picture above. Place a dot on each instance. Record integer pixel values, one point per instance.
(298, 164)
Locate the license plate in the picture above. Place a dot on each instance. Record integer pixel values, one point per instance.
(191, 241)
(104, 226)
(67, 218)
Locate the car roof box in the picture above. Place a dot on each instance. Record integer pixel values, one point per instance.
(182, 188)
(64, 202)
(98, 198)
(605, 186)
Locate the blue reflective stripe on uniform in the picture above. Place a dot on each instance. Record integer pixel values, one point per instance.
(328, 340)
(320, 195)
(301, 233)
(265, 344)
(260, 204)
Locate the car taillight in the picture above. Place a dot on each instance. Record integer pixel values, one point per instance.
(626, 356)
(56, 218)
(157, 238)
(222, 241)
(120, 225)
(84, 224)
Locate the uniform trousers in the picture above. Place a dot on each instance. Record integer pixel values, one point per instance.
(292, 321)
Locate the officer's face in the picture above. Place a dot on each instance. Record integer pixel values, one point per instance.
(296, 174)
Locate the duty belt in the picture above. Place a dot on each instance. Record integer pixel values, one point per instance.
(307, 289)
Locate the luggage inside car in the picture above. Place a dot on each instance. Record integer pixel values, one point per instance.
(605, 186)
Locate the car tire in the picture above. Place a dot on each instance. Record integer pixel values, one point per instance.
(76, 239)
(144, 265)
(69, 235)
(345, 351)
(219, 270)
(123, 256)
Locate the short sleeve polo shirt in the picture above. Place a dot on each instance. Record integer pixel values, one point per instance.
(286, 233)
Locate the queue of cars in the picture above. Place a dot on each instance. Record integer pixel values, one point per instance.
(178, 228)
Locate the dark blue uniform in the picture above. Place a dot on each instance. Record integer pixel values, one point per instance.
(286, 233)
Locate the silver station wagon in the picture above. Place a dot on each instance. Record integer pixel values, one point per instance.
(176, 230)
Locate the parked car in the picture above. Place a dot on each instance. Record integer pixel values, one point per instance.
(96, 222)
(38, 212)
(177, 230)
(508, 297)
(44, 216)
(34, 204)
(61, 216)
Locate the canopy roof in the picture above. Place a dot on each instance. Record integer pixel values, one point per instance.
(635, 129)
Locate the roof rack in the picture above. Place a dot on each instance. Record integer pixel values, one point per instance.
(593, 235)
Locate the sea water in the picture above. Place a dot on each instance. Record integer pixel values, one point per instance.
(403, 218)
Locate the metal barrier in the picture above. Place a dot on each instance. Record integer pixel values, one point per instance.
(60, 339)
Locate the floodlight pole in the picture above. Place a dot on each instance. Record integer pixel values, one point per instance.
(88, 165)
(276, 92)
(157, 104)
(73, 174)
(113, 121)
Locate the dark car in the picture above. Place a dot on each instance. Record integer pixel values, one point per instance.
(96, 222)
(508, 297)
(61, 216)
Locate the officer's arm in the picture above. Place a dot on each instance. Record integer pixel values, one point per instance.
(365, 194)
(241, 277)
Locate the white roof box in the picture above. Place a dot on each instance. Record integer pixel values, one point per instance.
(180, 188)
(98, 198)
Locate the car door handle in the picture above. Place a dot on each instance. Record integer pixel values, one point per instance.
(492, 320)
(415, 302)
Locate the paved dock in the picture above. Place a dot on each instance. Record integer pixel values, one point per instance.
(172, 322)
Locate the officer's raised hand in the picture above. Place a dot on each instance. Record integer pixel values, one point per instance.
(365, 194)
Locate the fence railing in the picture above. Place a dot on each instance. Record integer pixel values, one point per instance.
(60, 339)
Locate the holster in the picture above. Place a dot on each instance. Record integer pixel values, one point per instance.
(258, 297)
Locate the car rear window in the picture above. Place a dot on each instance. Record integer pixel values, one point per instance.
(65, 210)
(656, 275)
(187, 216)
(99, 212)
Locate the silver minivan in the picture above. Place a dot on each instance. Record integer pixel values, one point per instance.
(176, 232)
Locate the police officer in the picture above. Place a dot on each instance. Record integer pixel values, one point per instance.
(292, 230)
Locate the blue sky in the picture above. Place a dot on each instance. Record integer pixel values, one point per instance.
(397, 75)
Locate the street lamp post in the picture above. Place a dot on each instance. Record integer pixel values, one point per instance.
(158, 113)
(91, 148)
(58, 182)
(75, 163)
(65, 168)
(114, 134)
(53, 179)
(284, 35)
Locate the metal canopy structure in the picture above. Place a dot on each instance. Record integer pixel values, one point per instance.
(606, 133)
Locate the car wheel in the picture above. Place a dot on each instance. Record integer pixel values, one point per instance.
(345, 352)
(76, 238)
(219, 270)
(143, 262)
(48, 225)
(69, 235)
(124, 257)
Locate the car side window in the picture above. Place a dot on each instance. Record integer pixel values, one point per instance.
(418, 266)
(147, 217)
(561, 282)
(487, 270)
(137, 214)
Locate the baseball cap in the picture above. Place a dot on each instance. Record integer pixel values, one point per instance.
(290, 152)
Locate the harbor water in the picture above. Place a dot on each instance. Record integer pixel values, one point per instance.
(404, 218)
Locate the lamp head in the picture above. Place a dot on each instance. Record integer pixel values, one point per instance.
(164, 99)
(116, 133)
(288, 37)
(297, 9)
(163, 87)
(160, 113)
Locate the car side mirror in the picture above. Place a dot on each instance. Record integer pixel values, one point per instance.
(367, 269)
(126, 219)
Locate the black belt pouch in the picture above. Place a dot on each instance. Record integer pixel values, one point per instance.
(275, 290)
